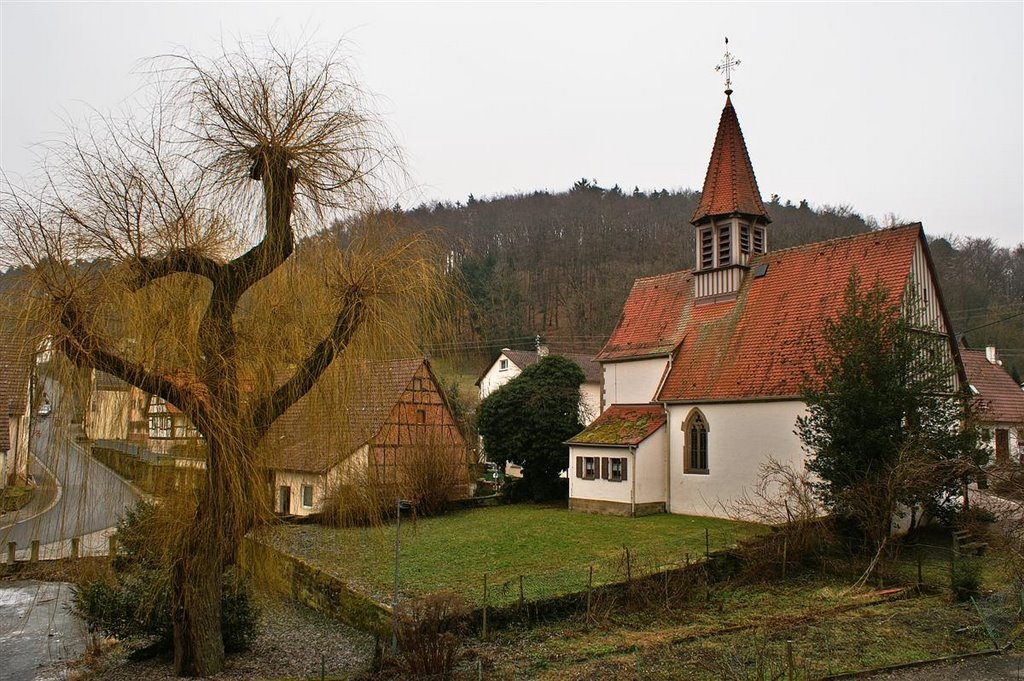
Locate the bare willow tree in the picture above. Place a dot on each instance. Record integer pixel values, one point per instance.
(161, 252)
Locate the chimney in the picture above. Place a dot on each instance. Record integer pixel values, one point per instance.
(990, 355)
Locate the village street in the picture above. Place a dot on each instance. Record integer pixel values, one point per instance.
(89, 497)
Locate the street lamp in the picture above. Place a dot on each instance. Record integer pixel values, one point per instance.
(400, 505)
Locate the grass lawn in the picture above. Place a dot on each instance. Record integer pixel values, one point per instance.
(740, 630)
(552, 547)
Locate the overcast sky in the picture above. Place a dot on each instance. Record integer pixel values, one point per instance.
(915, 109)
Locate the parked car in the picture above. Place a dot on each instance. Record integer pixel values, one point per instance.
(44, 410)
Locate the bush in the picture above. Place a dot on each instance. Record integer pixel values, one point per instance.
(133, 603)
(428, 635)
(965, 578)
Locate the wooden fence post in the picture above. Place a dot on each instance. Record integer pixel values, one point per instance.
(34, 554)
(112, 544)
(75, 547)
(707, 543)
(785, 550)
(790, 671)
(920, 581)
(590, 589)
(483, 628)
(522, 599)
(12, 552)
(629, 569)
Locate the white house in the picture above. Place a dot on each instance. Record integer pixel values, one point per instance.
(721, 350)
(510, 363)
(999, 405)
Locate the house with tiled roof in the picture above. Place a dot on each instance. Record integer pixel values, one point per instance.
(998, 405)
(702, 374)
(367, 422)
(15, 401)
(510, 363)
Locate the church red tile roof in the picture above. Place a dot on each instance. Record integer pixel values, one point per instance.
(729, 186)
(999, 398)
(622, 425)
(761, 344)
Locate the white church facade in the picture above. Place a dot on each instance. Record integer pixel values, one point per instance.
(702, 374)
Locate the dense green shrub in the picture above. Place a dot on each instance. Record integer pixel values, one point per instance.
(965, 578)
(133, 602)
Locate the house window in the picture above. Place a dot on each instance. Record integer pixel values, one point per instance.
(707, 249)
(307, 496)
(160, 426)
(421, 416)
(589, 468)
(502, 364)
(724, 244)
(615, 471)
(696, 446)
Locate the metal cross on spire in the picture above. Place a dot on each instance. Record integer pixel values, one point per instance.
(727, 65)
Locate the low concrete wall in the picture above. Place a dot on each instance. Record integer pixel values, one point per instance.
(620, 508)
(294, 578)
(155, 479)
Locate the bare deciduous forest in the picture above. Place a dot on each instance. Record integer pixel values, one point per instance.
(561, 264)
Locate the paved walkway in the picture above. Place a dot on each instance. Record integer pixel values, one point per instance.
(37, 633)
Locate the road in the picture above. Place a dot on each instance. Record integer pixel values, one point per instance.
(90, 497)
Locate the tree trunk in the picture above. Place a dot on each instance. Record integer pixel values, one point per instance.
(198, 641)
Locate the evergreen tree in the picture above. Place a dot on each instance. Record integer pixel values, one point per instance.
(528, 420)
(884, 426)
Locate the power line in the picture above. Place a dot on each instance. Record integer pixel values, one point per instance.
(998, 321)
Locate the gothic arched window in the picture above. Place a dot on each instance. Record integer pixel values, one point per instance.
(695, 447)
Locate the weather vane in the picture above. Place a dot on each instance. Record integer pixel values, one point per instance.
(727, 65)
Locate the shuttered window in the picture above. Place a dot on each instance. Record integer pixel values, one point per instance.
(707, 249)
(724, 245)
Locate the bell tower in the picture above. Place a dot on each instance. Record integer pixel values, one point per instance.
(730, 222)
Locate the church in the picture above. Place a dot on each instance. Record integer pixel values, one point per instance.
(702, 374)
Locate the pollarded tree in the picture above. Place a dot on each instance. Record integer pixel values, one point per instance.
(885, 427)
(528, 420)
(166, 251)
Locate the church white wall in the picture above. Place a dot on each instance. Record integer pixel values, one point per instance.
(650, 468)
(741, 436)
(632, 382)
(590, 402)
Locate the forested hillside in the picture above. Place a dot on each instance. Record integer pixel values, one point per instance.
(561, 264)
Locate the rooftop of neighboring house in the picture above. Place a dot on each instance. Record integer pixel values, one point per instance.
(315, 434)
(763, 342)
(997, 396)
(524, 358)
(104, 381)
(622, 425)
(15, 373)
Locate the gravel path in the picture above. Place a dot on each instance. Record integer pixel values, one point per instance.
(289, 645)
(989, 668)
